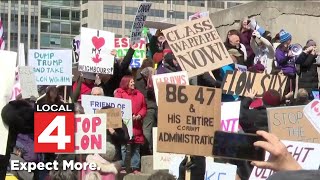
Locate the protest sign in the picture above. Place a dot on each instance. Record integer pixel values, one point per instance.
(315, 94)
(158, 25)
(180, 78)
(92, 103)
(95, 48)
(289, 123)
(161, 160)
(197, 46)
(138, 24)
(198, 15)
(312, 112)
(239, 83)
(122, 46)
(76, 47)
(189, 117)
(8, 61)
(230, 116)
(28, 82)
(114, 117)
(306, 154)
(22, 58)
(90, 134)
(51, 67)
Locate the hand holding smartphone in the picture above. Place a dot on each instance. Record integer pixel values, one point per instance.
(237, 146)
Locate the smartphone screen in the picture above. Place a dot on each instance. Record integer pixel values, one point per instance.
(237, 146)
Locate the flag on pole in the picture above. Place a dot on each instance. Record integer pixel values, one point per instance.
(2, 43)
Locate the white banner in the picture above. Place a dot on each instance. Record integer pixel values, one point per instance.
(139, 20)
(230, 112)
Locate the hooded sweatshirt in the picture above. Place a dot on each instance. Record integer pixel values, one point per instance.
(286, 63)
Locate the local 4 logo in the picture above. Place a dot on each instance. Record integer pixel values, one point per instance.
(54, 128)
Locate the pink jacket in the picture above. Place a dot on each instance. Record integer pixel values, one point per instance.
(107, 171)
(139, 107)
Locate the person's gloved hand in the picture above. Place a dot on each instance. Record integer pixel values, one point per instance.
(197, 166)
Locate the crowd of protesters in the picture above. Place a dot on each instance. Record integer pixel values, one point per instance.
(258, 50)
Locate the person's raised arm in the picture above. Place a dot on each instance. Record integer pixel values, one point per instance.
(76, 92)
(126, 60)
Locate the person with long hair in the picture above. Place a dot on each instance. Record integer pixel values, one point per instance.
(139, 110)
(52, 96)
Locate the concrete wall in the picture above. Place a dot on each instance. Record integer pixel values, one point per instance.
(300, 18)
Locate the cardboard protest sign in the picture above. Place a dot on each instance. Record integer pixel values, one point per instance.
(230, 112)
(122, 46)
(90, 134)
(180, 78)
(76, 47)
(114, 117)
(289, 123)
(161, 160)
(158, 25)
(315, 94)
(92, 103)
(239, 83)
(51, 67)
(189, 117)
(198, 15)
(306, 154)
(8, 61)
(95, 48)
(138, 23)
(312, 112)
(197, 46)
(28, 82)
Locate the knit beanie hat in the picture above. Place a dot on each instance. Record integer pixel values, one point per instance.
(284, 36)
(311, 42)
(271, 98)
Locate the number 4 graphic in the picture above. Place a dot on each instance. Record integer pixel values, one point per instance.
(61, 139)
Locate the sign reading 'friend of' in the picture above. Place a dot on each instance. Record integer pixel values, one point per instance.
(95, 48)
(197, 46)
(138, 24)
(290, 123)
(51, 67)
(239, 83)
(189, 117)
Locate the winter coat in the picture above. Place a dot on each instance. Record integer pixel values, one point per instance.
(164, 68)
(26, 142)
(141, 85)
(245, 38)
(85, 89)
(139, 107)
(23, 174)
(205, 79)
(308, 76)
(107, 171)
(285, 63)
(120, 70)
(120, 137)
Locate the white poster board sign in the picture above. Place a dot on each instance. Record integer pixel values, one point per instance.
(180, 78)
(139, 20)
(90, 134)
(51, 67)
(312, 112)
(28, 82)
(76, 48)
(92, 103)
(95, 48)
(230, 112)
(16, 89)
(306, 154)
(8, 61)
(22, 58)
(161, 160)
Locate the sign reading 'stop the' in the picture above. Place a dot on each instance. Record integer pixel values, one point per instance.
(197, 46)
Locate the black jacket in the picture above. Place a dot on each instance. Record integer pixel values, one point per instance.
(308, 76)
(120, 137)
(206, 80)
(140, 84)
(120, 70)
(252, 120)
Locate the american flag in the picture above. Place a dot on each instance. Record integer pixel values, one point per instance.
(2, 43)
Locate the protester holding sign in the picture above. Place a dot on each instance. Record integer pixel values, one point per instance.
(236, 50)
(139, 110)
(168, 64)
(84, 85)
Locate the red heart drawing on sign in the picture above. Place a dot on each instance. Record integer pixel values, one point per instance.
(98, 42)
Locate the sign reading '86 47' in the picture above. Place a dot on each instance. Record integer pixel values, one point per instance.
(54, 128)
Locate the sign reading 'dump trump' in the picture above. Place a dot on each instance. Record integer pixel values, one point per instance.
(197, 46)
(189, 117)
(239, 83)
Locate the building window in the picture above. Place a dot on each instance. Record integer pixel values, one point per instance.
(216, 4)
(199, 3)
(55, 40)
(45, 26)
(45, 40)
(112, 9)
(34, 2)
(85, 13)
(156, 13)
(45, 12)
(55, 13)
(85, 25)
(232, 4)
(76, 3)
(14, 40)
(179, 2)
(65, 14)
(24, 20)
(75, 28)
(128, 24)
(112, 23)
(65, 28)
(75, 15)
(84, 1)
(131, 10)
(176, 15)
(55, 27)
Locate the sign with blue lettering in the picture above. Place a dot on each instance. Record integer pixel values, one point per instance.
(92, 103)
(51, 67)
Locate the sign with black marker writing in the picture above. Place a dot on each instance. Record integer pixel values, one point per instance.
(188, 118)
(28, 82)
(290, 123)
(197, 46)
(138, 24)
(239, 83)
